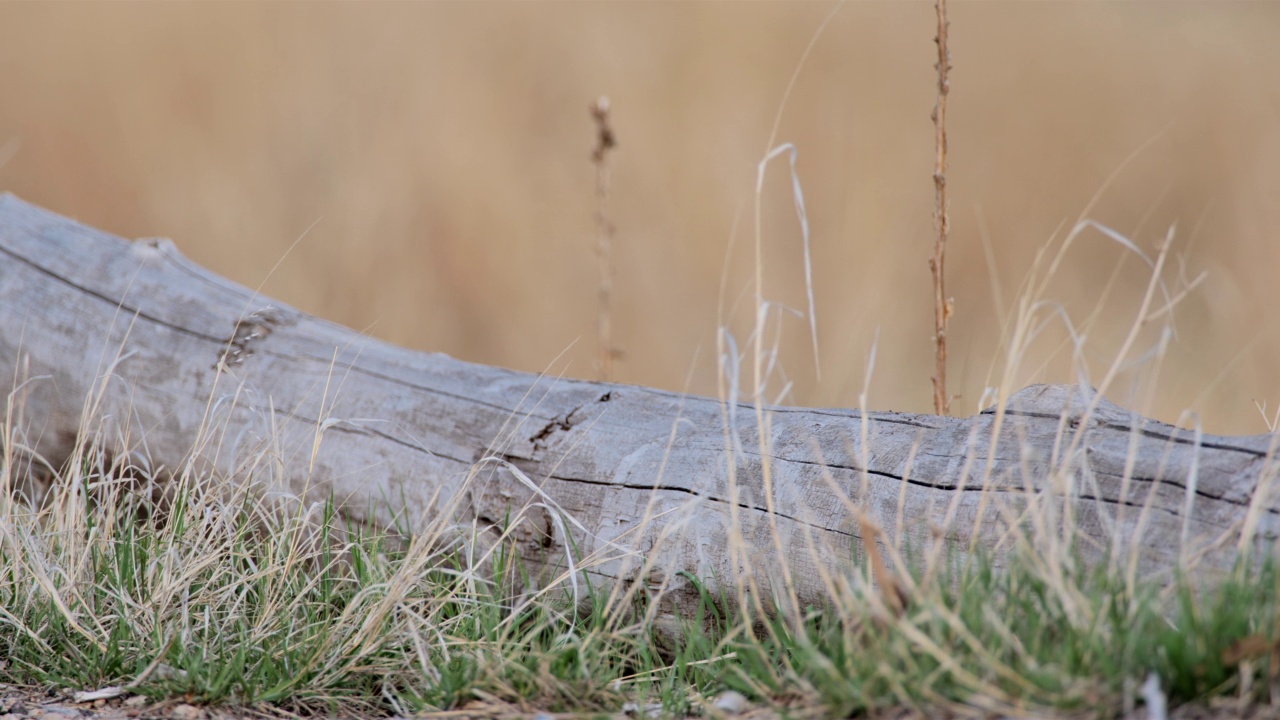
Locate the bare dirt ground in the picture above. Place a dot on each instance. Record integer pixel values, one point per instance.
(19, 703)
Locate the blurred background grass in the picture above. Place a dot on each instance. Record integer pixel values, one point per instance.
(439, 154)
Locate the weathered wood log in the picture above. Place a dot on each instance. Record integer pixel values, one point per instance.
(631, 483)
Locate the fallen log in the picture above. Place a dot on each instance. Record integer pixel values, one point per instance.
(628, 484)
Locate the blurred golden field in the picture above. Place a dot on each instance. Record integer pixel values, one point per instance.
(434, 160)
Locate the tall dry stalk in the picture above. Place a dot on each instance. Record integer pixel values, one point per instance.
(942, 305)
(605, 141)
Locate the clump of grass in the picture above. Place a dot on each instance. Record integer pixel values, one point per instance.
(1003, 640)
(220, 597)
(232, 602)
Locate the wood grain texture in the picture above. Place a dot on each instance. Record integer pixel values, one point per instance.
(194, 371)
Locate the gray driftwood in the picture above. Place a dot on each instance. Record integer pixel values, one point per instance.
(637, 484)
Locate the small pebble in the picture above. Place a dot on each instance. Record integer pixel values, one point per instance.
(136, 700)
(168, 672)
(730, 702)
(187, 712)
(649, 710)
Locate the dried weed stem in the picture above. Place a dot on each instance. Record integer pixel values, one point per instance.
(942, 305)
(605, 141)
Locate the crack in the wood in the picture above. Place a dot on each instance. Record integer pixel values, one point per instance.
(950, 487)
(886, 418)
(118, 304)
(707, 496)
(539, 440)
(978, 488)
(559, 424)
(1153, 434)
(1198, 491)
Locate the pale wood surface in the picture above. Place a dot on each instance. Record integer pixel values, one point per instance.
(629, 473)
